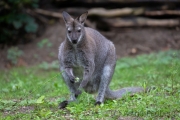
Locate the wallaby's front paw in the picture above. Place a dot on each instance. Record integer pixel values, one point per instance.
(63, 104)
(98, 103)
(72, 80)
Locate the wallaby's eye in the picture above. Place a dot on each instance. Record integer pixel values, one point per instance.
(79, 30)
(69, 31)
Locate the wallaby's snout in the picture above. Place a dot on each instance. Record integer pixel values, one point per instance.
(74, 41)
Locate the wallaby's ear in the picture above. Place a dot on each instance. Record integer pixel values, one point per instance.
(83, 17)
(67, 18)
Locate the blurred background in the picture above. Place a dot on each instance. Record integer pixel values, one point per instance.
(32, 30)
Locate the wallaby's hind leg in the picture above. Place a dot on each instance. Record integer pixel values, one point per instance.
(73, 90)
(107, 74)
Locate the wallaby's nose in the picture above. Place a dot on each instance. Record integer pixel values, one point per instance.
(74, 41)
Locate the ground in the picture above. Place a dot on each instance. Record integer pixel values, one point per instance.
(128, 42)
(35, 93)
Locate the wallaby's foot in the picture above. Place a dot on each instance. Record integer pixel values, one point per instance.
(63, 104)
(78, 92)
(98, 103)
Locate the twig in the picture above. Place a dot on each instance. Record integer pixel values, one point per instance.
(115, 12)
(58, 15)
(117, 22)
(48, 13)
(41, 18)
(162, 12)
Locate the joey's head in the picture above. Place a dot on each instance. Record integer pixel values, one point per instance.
(74, 27)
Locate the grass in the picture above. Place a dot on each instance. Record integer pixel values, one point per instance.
(34, 93)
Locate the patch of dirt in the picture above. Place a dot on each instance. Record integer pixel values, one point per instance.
(128, 42)
(23, 109)
(26, 109)
(134, 41)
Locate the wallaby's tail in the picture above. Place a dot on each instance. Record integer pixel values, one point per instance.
(119, 93)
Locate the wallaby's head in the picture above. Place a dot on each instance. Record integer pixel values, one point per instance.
(74, 27)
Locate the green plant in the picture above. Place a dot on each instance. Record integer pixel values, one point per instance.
(44, 43)
(38, 92)
(14, 19)
(47, 66)
(13, 54)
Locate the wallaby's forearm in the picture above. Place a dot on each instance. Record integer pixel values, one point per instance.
(69, 72)
(70, 85)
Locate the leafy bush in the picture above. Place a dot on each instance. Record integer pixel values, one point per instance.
(14, 20)
(44, 43)
(13, 54)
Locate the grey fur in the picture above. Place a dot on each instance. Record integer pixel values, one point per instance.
(92, 59)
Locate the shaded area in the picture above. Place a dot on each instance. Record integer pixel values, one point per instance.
(128, 41)
(134, 26)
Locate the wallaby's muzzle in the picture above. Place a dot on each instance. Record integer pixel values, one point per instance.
(74, 41)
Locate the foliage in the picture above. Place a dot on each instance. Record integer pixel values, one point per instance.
(13, 54)
(38, 92)
(48, 66)
(15, 21)
(44, 43)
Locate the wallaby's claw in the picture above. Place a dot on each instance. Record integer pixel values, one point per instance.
(78, 92)
(63, 104)
(98, 103)
(72, 80)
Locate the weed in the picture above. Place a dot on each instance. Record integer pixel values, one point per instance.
(44, 43)
(13, 54)
(48, 66)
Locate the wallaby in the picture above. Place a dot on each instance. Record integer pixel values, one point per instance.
(91, 57)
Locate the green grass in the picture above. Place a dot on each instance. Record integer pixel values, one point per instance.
(35, 92)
